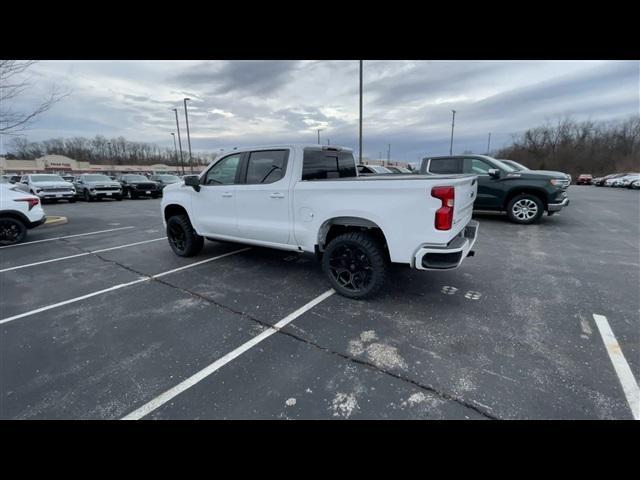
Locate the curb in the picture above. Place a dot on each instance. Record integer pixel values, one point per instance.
(55, 220)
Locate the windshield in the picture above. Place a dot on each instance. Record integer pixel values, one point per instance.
(46, 178)
(168, 178)
(505, 166)
(135, 178)
(95, 178)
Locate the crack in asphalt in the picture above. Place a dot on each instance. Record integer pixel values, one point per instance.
(371, 366)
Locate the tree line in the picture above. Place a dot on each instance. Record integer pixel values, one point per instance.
(575, 147)
(102, 151)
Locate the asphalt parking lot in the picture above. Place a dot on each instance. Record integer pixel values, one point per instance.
(118, 329)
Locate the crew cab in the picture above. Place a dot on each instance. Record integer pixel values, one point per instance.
(47, 187)
(310, 198)
(94, 186)
(19, 212)
(524, 195)
(136, 185)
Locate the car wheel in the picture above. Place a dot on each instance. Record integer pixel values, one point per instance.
(12, 231)
(525, 209)
(72, 200)
(87, 197)
(183, 239)
(355, 264)
(129, 195)
(119, 198)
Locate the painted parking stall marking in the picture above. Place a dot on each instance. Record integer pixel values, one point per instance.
(221, 362)
(66, 236)
(80, 255)
(627, 380)
(117, 287)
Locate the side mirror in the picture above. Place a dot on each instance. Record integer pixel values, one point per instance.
(494, 173)
(193, 181)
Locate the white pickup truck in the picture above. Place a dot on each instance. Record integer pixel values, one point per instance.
(309, 198)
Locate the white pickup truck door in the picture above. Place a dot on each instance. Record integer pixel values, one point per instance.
(263, 201)
(214, 205)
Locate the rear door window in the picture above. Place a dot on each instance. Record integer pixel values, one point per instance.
(445, 165)
(266, 166)
(327, 164)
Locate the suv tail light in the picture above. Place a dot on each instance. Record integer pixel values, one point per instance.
(444, 215)
(32, 201)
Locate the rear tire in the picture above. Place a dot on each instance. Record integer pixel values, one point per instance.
(12, 231)
(525, 209)
(183, 239)
(87, 196)
(355, 264)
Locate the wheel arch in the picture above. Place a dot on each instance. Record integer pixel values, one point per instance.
(174, 209)
(538, 192)
(335, 226)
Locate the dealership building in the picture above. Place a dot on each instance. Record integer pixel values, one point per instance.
(64, 165)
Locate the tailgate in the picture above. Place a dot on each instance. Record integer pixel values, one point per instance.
(466, 189)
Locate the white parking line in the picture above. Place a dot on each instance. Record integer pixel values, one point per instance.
(221, 362)
(66, 236)
(80, 255)
(116, 287)
(627, 380)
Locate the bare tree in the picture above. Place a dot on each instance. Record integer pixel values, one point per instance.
(14, 85)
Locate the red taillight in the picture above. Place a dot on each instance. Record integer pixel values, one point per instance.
(444, 215)
(32, 201)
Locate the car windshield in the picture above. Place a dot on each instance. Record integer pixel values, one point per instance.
(135, 178)
(168, 178)
(46, 178)
(504, 166)
(95, 178)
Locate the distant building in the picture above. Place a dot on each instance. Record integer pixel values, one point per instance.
(62, 164)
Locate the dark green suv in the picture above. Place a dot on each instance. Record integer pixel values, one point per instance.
(524, 195)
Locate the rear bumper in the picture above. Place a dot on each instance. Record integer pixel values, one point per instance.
(556, 207)
(31, 225)
(450, 256)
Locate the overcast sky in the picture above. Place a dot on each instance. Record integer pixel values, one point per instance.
(406, 103)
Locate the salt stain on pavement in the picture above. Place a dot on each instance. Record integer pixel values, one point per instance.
(380, 354)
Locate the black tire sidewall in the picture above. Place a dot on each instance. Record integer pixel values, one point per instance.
(193, 241)
(23, 230)
(527, 196)
(374, 252)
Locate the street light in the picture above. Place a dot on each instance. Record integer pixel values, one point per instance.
(489, 144)
(389, 154)
(186, 116)
(175, 145)
(360, 138)
(179, 140)
(453, 122)
(319, 130)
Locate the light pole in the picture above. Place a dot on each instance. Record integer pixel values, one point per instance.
(389, 154)
(186, 116)
(489, 144)
(319, 130)
(360, 139)
(179, 141)
(453, 122)
(175, 145)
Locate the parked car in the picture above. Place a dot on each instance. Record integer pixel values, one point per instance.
(372, 170)
(635, 184)
(523, 195)
(135, 186)
(600, 182)
(47, 187)
(19, 212)
(612, 180)
(310, 198)
(584, 179)
(5, 179)
(625, 181)
(15, 179)
(68, 178)
(522, 168)
(94, 186)
(164, 180)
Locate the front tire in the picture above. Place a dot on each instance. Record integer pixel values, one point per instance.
(355, 264)
(87, 196)
(12, 231)
(525, 209)
(183, 239)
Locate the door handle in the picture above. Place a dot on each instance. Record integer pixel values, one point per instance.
(227, 194)
(277, 195)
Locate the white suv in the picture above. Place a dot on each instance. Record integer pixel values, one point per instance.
(48, 187)
(19, 211)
